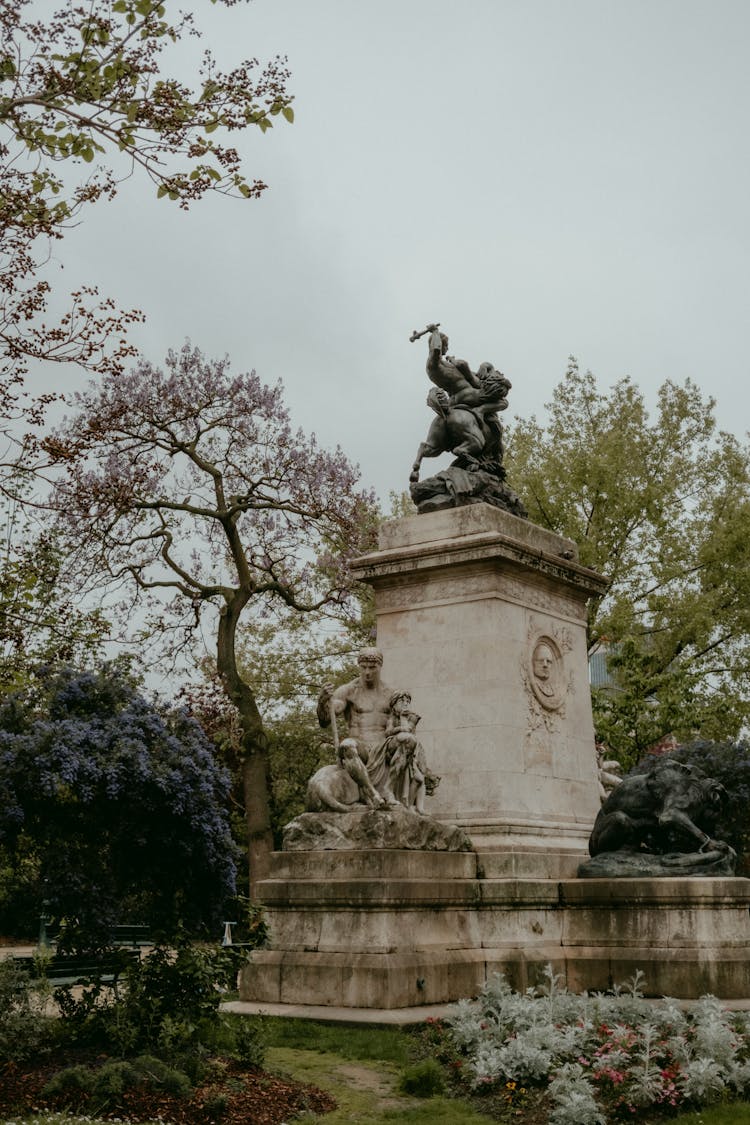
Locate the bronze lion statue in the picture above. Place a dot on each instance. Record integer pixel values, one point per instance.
(668, 807)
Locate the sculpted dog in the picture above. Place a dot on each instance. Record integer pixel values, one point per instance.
(331, 789)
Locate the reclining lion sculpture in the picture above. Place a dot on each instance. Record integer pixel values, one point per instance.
(667, 808)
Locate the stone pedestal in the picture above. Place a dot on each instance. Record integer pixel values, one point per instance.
(397, 929)
(482, 616)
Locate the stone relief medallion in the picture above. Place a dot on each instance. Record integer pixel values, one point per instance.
(547, 678)
(546, 672)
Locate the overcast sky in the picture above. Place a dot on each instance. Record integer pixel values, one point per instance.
(544, 177)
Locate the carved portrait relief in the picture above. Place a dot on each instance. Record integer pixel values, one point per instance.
(548, 680)
(547, 677)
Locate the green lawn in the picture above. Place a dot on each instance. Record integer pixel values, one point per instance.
(387, 1043)
(366, 1090)
(736, 1114)
(361, 1067)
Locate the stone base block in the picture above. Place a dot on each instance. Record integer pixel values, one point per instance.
(523, 863)
(685, 974)
(362, 980)
(397, 929)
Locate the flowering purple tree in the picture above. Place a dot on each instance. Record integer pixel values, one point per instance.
(190, 483)
(110, 807)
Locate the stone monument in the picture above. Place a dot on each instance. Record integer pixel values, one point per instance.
(485, 614)
(426, 861)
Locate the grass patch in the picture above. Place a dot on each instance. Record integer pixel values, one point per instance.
(736, 1114)
(366, 1091)
(438, 1111)
(350, 1042)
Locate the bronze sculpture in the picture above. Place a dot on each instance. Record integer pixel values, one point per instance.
(659, 821)
(466, 404)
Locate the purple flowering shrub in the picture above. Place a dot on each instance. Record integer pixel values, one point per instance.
(114, 806)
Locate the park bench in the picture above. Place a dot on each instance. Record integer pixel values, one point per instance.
(136, 936)
(70, 968)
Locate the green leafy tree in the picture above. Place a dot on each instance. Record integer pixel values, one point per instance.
(90, 93)
(729, 763)
(661, 506)
(42, 623)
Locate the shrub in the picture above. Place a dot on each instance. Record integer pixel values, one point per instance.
(249, 1041)
(169, 1005)
(573, 1098)
(115, 804)
(215, 1106)
(68, 1085)
(600, 1055)
(25, 1032)
(102, 1088)
(423, 1080)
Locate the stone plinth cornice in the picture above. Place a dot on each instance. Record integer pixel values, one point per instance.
(378, 567)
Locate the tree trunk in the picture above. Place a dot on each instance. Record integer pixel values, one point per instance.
(256, 773)
(256, 782)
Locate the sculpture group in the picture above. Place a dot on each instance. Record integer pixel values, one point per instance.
(380, 763)
(466, 405)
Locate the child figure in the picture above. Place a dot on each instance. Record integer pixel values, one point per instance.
(410, 777)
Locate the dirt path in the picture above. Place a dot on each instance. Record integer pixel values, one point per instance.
(360, 1088)
(367, 1092)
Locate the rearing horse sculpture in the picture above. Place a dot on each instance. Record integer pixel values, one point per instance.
(466, 405)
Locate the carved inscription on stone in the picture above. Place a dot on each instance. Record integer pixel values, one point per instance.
(543, 599)
(434, 590)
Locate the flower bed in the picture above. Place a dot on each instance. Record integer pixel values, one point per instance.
(597, 1058)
